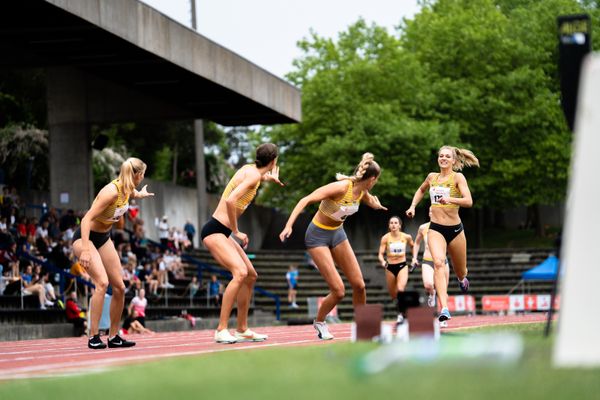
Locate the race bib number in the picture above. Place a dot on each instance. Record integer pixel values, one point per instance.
(397, 248)
(119, 213)
(437, 193)
(344, 212)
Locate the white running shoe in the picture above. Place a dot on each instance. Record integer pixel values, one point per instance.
(223, 336)
(249, 336)
(431, 300)
(322, 330)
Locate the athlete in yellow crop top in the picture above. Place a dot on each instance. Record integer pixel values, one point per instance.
(96, 251)
(393, 246)
(325, 237)
(448, 191)
(215, 234)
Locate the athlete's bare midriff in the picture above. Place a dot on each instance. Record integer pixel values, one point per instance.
(445, 216)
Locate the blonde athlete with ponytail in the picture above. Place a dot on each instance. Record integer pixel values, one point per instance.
(96, 251)
(325, 237)
(448, 191)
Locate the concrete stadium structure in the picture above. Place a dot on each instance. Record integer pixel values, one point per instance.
(121, 60)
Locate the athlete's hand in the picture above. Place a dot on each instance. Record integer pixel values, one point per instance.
(383, 264)
(376, 204)
(85, 258)
(285, 234)
(410, 212)
(243, 238)
(414, 265)
(445, 200)
(144, 192)
(273, 176)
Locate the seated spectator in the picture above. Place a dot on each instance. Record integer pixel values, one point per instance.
(131, 325)
(139, 304)
(215, 290)
(34, 288)
(193, 287)
(49, 287)
(153, 279)
(76, 315)
(42, 238)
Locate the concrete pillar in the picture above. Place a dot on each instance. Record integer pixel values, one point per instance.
(71, 179)
(200, 177)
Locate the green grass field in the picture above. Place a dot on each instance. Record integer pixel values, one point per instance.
(323, 372)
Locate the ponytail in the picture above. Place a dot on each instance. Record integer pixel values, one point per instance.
(366, 169)
(463, 158)
(129, 168)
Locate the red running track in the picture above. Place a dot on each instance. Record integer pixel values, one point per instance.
(68, 356)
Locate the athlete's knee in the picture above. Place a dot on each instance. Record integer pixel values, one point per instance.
(118, 289)
(101, 285)
(439, 263)
(428, 286)
(338, 292)
(240, 274)
(252, 276)
(358, 286)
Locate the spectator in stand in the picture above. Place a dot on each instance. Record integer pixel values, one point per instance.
(75, 315)
(173, 240)
(190, 232)
(32, 287)
(215, 290)
(67, 225)
(131, 325)
(32, 226)
(292, 280)
(49, 287)
(53, 226)
(163, 231)
(42, 239)
(139, 304)
(132, 212)
(193, 287)
(153, 280)
(3, 226)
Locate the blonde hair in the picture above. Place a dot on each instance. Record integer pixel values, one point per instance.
(365, 169)
(129, 168)
(463, 157)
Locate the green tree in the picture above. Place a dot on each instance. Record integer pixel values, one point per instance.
(493, 71)
(361, 93)
(24, 157)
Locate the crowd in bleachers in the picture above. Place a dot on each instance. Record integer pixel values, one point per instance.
(145, 266)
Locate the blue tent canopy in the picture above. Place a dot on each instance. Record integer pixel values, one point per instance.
(545, 271)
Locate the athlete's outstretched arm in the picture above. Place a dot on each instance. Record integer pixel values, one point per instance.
(419, 195)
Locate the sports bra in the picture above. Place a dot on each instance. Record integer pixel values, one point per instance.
(437, 191)
(116, 209)
(340, 210)
(244, 201)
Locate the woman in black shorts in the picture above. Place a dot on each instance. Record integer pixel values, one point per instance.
(393, 245)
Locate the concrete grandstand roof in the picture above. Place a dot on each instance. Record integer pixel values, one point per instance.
(128, 43)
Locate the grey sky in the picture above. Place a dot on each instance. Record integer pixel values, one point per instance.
(266, 31)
